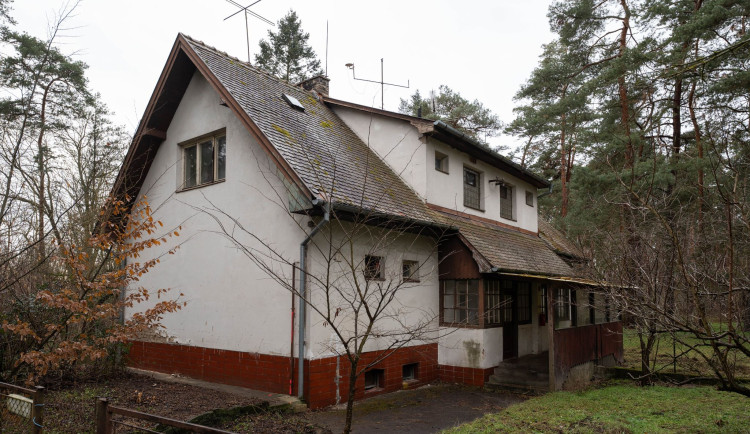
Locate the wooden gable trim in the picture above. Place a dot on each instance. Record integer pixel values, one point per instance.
(147, 138)
(472, 217)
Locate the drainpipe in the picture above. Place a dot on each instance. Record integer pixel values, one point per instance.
(303, 297)
(548, 192)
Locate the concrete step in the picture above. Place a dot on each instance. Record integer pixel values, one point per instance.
(520, 381)
(517, 388)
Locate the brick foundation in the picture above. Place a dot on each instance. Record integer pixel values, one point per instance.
(271, 373)
(460, 374)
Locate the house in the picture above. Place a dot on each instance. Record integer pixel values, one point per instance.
(250, 167)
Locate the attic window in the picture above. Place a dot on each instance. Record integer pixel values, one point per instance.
(293, 102)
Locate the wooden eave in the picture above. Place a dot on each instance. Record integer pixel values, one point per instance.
(181, 64)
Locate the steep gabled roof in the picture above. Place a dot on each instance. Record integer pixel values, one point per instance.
(313, 148)
(319, 154)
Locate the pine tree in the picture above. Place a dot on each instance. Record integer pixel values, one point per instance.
(287, 54)
(471, 117)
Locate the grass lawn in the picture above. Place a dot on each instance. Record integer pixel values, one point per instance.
(690, 363)
(622, 407)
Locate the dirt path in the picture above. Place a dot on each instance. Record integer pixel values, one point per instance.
(425, 410)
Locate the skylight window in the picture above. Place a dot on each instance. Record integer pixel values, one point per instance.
(293, 102)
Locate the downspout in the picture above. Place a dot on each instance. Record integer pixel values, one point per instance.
(303, 297)
(546, 193)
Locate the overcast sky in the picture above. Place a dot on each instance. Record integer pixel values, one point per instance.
(482, 49)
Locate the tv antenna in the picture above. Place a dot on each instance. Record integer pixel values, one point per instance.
(381, 82)
(247, 11)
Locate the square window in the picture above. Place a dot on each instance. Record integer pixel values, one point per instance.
(204, 160)
(529, 198)
(374, 379)
(441, 162)
(460, 302)
(410, 271)
(374, 268)
(472, 189)
(409, 372)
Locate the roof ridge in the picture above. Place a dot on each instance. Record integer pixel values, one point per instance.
(243, 63)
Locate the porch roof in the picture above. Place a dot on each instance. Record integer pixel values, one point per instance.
(499, 249)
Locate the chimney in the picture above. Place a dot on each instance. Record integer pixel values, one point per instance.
(319, 84)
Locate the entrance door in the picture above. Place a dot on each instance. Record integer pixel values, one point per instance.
(510, 323)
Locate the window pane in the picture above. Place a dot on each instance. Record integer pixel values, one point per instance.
(207, 161)
(221, 155)
(190, 166)
(471, 189)
(506, 202)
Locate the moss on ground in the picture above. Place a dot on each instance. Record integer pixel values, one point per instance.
(622, 407)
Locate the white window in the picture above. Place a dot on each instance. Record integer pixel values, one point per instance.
(204, 160)
(506, 202)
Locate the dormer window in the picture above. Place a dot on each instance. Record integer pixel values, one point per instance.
(204, 160)
(472, 189)
(506, 202)
(441, 162)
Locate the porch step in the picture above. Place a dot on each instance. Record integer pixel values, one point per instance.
(524, 374)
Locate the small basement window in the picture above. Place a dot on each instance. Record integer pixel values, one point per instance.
(374, 379)
(409, 372)
(441, 162)
(374, 268)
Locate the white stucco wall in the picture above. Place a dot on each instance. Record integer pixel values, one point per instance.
(232, 303)
(446, 189)
(415, 303)
(395, 141)
(470, 348)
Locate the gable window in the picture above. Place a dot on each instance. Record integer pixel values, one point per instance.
(506, 202)
(460, 302)
(472, 189)
(374, 268)
(441, 162)
(204, 160)
(410, 271)
(529, 198)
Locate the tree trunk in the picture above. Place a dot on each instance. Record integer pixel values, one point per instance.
(350, 398)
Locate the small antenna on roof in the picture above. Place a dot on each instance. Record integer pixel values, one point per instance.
(326, 48)
(247, 11)
(381, 82)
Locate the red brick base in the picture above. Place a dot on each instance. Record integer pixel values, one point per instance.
(271, 373)
(459, 374)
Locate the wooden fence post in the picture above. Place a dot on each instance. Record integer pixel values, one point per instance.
(102, 416)
(37, 410)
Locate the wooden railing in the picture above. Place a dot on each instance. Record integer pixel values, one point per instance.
(577, 345)
(106, 423)
(35, 416)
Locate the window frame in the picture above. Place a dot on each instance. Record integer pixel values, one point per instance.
(379, 375)
(444, 165)
(196, 142)
(379, 272)
(469, 321)
(529, 198)
(478, 187)
(413, 277)
(510, 201)
(414, 368)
